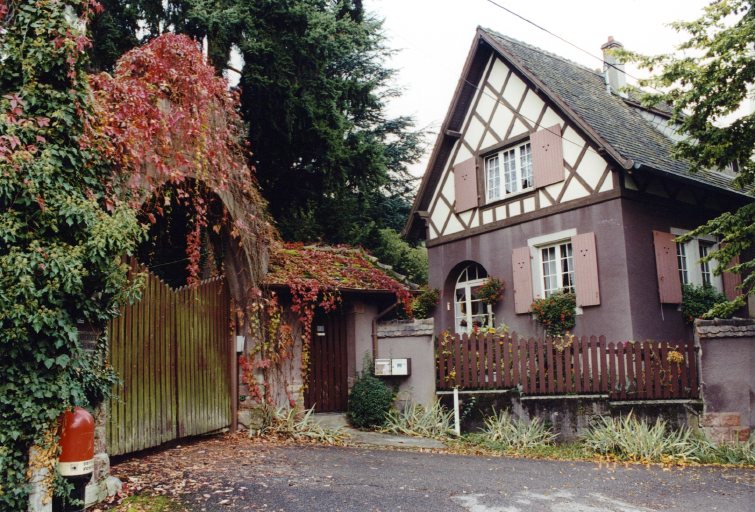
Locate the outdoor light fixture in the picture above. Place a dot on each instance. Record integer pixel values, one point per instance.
(320, 330)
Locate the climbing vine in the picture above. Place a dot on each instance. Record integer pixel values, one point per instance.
(313, 277)
(165, 117)
(61, 234)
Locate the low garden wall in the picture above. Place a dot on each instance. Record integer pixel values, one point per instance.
(410, 339)
(727, 375)
(570, 416)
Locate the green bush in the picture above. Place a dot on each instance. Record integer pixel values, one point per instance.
(556, 312)
(388, 246)
(424, 304)
(369, 401)
(698, 300)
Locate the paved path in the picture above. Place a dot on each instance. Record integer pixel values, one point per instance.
(248, 476)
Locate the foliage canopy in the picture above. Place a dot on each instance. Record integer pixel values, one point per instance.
(313, 84)
(61, 239)
(705, 84)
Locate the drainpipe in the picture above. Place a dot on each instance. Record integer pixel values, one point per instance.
(374, 328)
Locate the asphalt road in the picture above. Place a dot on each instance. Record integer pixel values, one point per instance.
(304, 478)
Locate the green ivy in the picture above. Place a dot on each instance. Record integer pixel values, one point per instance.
(697, 301)
(61, 236)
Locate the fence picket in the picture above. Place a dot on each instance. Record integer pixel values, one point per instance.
(540, 367)
(603, 357)
(523, 364)
(497, 342)
(551, 369)
(624, 370)
(532, 369)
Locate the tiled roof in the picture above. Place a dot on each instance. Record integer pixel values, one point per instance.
(331, 268)
(614, 120)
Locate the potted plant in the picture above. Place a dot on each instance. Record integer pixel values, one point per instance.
(491, 291)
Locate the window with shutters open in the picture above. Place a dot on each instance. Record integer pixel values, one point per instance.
(692, 270)
(522, 163)
(558, 261)
(508, 172)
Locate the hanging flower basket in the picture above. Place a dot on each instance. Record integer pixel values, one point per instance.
(491, 291)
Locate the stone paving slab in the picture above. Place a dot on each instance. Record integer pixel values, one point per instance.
(380, 440)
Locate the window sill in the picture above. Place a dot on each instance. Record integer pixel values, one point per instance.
(504, 199)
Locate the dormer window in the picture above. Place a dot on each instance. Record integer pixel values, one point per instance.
(509, 171)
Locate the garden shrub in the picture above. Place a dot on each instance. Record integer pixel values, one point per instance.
(631, 439)
(424, 304)
(420, 421)
(505, 432)
(369, 401)
(698, 300)
(556, 312)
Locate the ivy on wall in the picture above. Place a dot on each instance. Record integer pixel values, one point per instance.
(61, 234)
(315, 277)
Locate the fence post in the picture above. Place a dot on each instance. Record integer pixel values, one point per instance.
(457, 419)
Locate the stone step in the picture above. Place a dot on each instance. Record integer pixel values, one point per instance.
(331, 420)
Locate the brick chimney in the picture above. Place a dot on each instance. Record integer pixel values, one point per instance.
(612, 68)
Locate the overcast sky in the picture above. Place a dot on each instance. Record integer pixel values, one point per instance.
(434, 37)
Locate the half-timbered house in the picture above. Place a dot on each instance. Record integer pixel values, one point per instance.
(547, 175)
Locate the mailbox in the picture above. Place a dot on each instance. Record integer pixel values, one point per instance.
(383, 367)
(393, 367)
(401, 367)
(76, 462)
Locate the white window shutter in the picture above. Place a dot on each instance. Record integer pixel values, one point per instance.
(667, 268)
(465, 185)
(585, 269)
(547, 156)
(520, 260)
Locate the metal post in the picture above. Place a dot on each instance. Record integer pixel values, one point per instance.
(457, 419)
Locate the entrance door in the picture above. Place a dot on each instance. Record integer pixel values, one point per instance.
(327, 388)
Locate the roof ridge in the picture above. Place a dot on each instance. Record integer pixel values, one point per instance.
(540, 50)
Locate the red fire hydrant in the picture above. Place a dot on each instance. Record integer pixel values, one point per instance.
(76, 462)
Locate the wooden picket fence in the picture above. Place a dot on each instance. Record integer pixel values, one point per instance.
(172, 351)
(647, 370)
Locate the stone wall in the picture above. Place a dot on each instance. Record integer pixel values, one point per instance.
(411, 339)
(727, 377)
(570, 416)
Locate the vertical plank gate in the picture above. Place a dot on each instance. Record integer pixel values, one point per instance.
(328, 387)
(172, 352)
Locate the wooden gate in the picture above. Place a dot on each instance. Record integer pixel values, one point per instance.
(328, 386)
(172, 351)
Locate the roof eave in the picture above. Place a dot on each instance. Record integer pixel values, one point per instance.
(413, 223)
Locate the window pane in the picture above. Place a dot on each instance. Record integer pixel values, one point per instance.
(525, 165)
(681, 258)
(550, 270)
(509, 171)
(705, 273)
(469, 310)
(567, 267)
(494, 177)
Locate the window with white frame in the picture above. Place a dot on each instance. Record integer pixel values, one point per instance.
(557, 263)
(509, 171)
(552, 260)
(692, 270)
(469, 310)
